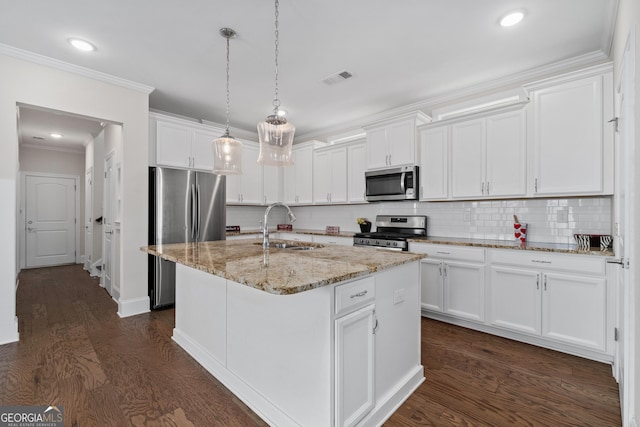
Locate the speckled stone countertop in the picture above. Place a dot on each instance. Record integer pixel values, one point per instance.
(508, 244)
(459, 241)
(287, 271)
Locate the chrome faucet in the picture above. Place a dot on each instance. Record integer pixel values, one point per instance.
(265, 223)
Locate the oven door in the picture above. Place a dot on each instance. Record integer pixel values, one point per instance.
(386, 248)
(391, 184)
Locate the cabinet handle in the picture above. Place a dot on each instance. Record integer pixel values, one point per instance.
(440, 269)
(488, 192)
(442, 252)
(535, 185)
(482, 189)
(265, 200)
(359, 294)
(540, 261)
(537, 281)
(545, 282)
(446, 267)
(375, 325)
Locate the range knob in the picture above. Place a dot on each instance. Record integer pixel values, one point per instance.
(395, 243)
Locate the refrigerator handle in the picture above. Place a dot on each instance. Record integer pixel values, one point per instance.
(193, 212)
(198, 212)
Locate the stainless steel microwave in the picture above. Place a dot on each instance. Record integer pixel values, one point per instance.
(399, 183)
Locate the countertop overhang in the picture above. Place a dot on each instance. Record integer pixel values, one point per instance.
(281, 271)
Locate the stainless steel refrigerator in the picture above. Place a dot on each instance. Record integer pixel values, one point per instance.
(184, 206)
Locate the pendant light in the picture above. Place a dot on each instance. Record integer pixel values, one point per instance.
(275, 132)
(227, 151)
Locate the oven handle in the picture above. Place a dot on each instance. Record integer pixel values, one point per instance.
(379, 247)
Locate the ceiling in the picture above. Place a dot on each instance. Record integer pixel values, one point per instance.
(407, 52)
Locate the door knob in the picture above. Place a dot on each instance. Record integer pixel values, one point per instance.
(31, 229)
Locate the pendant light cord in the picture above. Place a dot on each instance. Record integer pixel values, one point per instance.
(276, 101)
(227, 131)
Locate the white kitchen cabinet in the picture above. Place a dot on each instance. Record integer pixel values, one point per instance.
(356, 167)
(298, 179)
(247, 188)
(558, 297)
(330, 175)
(434, 162)
(488, 156)
(272, 183)
(393, 142)
(182, 144)
(571, 141)
(452, 280)
(355, 346)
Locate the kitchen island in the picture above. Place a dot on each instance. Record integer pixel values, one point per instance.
(321, 336)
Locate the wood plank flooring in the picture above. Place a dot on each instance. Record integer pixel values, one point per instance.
(75, 351)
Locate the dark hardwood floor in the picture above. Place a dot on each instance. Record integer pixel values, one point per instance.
(75, 351)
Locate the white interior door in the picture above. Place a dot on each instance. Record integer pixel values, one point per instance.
(50, 221)
(108, 219)
(88, 219)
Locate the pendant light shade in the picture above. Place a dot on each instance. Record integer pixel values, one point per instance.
(227, 151)
(275, 132)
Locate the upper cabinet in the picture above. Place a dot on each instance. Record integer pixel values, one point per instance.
(571, 141)
(357, 165)
(330, 175)
(488, 156)
(393, 142)
(247, 188)
(434, 162)
(298, 179)
(180, 143)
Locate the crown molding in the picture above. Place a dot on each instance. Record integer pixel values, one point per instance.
(80, 150)
(71, 68)
(427, 104)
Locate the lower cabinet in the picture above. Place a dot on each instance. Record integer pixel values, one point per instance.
(566, 301)
(354, 360)
(452, 281)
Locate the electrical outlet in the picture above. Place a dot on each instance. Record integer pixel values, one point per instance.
(398, 296)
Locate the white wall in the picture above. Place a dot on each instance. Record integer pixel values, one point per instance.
(58, 163)
(95, 159)
(629, 17)
(39, 85)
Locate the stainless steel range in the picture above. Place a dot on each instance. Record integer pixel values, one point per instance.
(392, 232)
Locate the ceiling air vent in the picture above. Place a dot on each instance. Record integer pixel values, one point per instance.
(337, 77)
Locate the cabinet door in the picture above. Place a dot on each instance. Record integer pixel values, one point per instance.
(321, 177)
(377, 148)
(515, 299)
(252, 175)
(338, 175)
(506, 155)
(431, 275)
(357, 157)
(567, 138)
(468, 159)
(574, 310)
(272, 183)
(173, 145)
(289, 194)
(401, 140)
(202, 150)
(354, 375)
(434, 167)
(304, 175)
(464, 290)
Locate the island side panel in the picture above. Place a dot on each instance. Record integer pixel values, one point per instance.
(201, 311)
(398, 368)
(282, 346)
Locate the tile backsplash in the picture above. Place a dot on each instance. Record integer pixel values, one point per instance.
(550, 220)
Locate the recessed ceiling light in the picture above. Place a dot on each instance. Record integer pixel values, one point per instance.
(55, 135)
(511, 19)
(82, 45)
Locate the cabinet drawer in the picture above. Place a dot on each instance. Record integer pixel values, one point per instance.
(333, 240)
(449, 252)
(581, 264)
(353, 295)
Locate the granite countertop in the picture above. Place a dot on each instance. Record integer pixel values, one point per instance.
(288, 271)
(511, 244)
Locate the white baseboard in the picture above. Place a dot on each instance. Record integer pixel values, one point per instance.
(9, 332)
(634, 422)
(132, 307)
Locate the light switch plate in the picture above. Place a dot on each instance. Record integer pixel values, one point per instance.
(562, 216)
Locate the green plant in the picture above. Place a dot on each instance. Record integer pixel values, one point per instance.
(363, 221)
